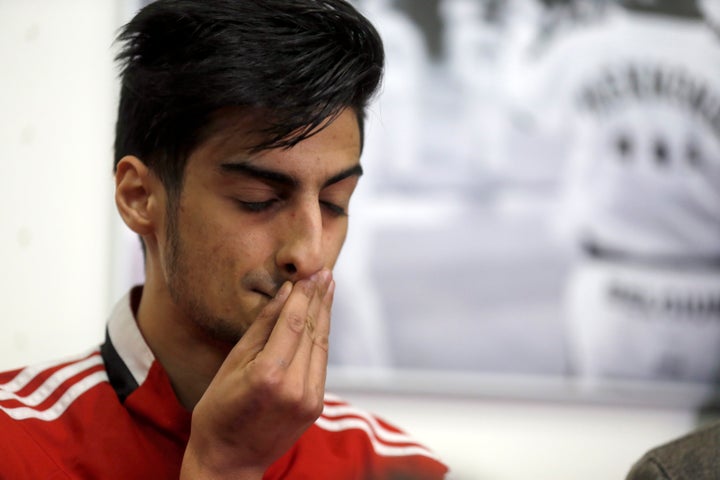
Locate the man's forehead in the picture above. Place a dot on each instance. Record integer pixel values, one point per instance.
(248, 128)
(233, 134)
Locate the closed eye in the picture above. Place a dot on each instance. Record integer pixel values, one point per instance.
(334, 209)
(256, 207)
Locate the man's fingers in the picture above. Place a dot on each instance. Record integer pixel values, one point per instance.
(299, 316)
(257, 334)
(319, 353)
(316, 325)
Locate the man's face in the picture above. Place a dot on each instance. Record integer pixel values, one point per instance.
(246, 222)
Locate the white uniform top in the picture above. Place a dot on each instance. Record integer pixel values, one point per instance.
(638, 98)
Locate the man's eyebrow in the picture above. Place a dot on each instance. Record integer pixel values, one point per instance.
(355, 170)
(260, 173)
(283, 178)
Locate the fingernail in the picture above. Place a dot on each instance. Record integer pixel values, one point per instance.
(284, 290)
(325, 277)
(319, 276)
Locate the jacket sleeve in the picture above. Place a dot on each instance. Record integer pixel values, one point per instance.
(692, 457)
(647, 468)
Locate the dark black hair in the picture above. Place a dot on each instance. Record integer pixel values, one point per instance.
(301, 61)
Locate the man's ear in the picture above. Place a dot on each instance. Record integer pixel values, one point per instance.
(137, 195)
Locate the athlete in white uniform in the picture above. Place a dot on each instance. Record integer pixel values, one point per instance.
(637, 97)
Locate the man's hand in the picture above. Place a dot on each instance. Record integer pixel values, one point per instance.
(268, 391)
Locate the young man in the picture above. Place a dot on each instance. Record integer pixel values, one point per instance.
(237, 151)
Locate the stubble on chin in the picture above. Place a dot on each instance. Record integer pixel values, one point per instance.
(196, 311)
(188, 300)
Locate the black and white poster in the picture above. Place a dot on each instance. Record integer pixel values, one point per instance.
(540, 211)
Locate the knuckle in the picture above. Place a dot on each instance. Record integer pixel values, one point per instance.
(308, 409)
(266, 378)
(315, 408)
(290, 398)
(322, 341)
(293, 398)
(310, 324)
(295, 321)
(280, 392)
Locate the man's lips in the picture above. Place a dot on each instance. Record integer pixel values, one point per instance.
(262, 284)
(263, 293)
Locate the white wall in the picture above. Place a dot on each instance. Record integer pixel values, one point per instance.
(485, 439)
(59, 229)
(56, 122)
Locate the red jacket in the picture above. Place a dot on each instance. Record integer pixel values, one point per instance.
(112, 414)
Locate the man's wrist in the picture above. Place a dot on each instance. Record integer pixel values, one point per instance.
(215, 466)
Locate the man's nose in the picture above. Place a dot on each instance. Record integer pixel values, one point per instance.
(300, 254)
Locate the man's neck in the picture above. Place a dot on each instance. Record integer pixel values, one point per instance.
(189, 359)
